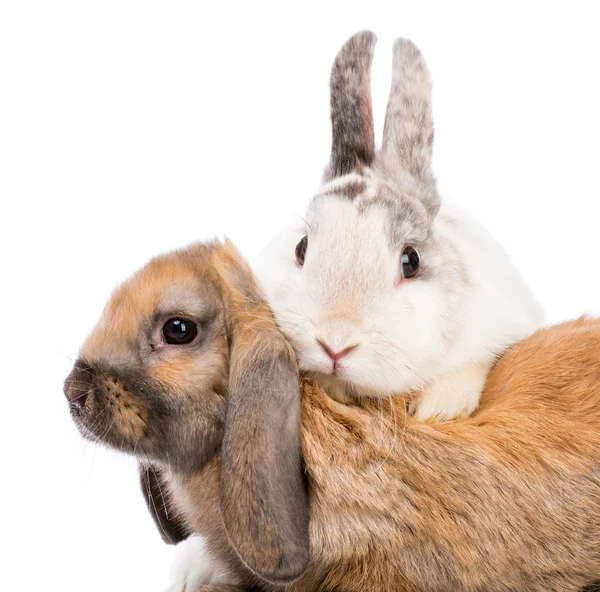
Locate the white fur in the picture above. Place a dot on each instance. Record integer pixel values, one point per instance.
(435, 340)
(193, 566)
(453, 393)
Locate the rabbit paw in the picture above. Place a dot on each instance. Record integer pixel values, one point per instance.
(193, 567)
(455, 394)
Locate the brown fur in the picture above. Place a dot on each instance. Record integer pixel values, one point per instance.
(131, 418)
(167, 403)
(508, 499)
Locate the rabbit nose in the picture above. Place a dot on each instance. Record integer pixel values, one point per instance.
(79, 400)
(335, 356)
(79, 384)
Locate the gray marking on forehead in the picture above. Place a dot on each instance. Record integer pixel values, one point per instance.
(350, 190)
(407, 222)
(406, 218)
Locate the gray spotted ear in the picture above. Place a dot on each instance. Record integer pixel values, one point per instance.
(170, 527)
(408, 129)
(263, 494)
(352, 135)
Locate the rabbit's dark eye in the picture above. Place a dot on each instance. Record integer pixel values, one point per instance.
(410, 262)
(179, 331)
(301, 250)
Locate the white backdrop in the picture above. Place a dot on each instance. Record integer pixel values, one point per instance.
(129, 128)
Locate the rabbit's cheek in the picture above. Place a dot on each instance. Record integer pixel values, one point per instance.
(130, 417)
(190, 373)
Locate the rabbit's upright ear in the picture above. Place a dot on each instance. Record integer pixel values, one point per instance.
(352, 135)
(170, 527)
(263, 494)
(408, 127)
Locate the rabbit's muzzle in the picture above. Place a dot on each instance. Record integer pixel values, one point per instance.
(103, 406)
(79, 385)
(121, 407)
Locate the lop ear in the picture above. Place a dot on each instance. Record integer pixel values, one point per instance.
(352, 135)
(408, 129)
(171, 529)
(263, 493)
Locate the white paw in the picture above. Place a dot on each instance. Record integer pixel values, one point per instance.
(193, 566)
(451, 395)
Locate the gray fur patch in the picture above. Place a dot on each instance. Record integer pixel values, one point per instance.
(350, 190)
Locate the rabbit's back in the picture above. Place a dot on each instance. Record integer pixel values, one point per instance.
(505, 500)
(498, 307)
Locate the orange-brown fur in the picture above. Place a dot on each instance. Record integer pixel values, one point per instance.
(508, 499)
(129, 416)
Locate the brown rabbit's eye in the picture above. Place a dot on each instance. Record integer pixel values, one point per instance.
(179, 331)
(301, 250)
(410, 262)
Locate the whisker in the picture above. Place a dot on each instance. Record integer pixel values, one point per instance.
(89, 392)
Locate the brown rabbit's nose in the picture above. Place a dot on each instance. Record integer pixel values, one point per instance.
(79, 384)
(79, 400)
(336, 356)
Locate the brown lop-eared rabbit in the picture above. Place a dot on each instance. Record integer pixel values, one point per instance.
(188, 371)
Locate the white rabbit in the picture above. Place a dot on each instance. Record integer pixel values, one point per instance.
(380, 290)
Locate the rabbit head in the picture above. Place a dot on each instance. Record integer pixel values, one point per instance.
(364, 290)
(177, 374)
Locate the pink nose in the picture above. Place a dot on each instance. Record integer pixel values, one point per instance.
(335, 356)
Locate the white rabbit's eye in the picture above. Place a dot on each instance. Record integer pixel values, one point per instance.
(301, 250)
(410, 262)
(179, 331)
